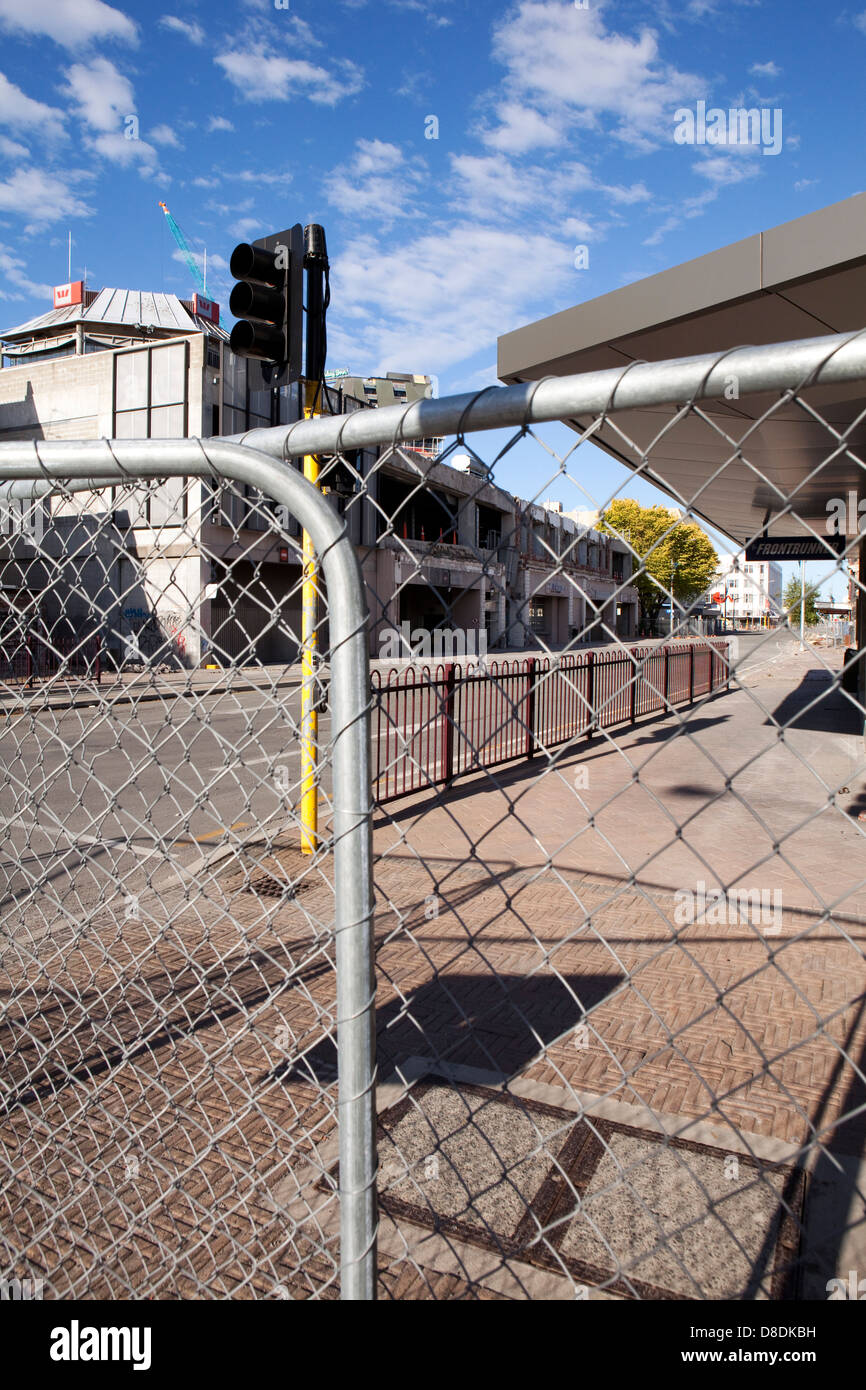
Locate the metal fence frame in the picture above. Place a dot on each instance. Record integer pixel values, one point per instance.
(791, 366)
(536, 703)
(35, 469)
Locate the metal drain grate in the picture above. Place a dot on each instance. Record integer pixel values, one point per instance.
(267, 886)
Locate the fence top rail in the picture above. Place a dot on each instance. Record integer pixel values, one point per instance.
(830, 360)
(412, 676)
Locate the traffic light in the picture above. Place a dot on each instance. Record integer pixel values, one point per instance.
(341, 473)
(267, 301)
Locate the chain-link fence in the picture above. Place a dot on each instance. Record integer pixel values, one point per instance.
(618, 927)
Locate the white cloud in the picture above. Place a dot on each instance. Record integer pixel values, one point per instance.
(564, 59)
(10, 149)
(71, 23)
(17, 109)
(271, 176)
(42, 197)
(214, 261)
(802, 184)
(688, 208)
(492, 187)
(13, 270)
(859, 21)
(522, 128)
(765, 70)
(669, 225)
(378, 182)
(103, 98)
(219, 123)
(581, 229)
(386, 293)
(729, 169)
(189, 28)
(102, 95)
(230, 209)
(431, 12)
(259, 76)
(114, 145)
(164, 135)
(632, 193)
(245, 227)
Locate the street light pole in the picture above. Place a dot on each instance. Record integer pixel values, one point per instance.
(673, 570)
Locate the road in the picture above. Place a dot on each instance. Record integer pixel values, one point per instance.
(93, 802)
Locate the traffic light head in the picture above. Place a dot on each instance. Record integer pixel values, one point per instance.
(266, 301)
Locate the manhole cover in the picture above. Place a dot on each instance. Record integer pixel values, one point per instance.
(266, 886)
(281, 872)
(644, 1215)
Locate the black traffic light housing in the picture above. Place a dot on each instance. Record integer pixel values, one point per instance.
(339, 474)
(268, 301)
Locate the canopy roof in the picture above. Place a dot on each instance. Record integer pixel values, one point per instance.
(803, 279)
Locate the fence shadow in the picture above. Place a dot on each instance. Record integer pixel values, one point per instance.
(820, 708)
(494, 1022)
(480, 781)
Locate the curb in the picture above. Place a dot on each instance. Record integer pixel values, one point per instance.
(129, 698)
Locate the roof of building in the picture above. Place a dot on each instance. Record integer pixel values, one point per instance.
(396, 388)
(802, 279)
(118, 308)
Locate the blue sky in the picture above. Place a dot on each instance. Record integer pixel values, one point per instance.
(555, 129)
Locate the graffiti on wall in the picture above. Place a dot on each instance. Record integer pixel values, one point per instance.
(152, 634)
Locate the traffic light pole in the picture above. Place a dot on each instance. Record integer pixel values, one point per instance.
(309, 652)
(267, 303)
(315, 261)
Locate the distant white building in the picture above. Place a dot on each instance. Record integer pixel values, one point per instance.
(748, 592)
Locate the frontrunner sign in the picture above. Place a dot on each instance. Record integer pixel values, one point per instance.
(794, 547)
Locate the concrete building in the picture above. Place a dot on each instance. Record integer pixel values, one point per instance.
(130, 365)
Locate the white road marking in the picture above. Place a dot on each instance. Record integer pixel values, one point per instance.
(74, 841)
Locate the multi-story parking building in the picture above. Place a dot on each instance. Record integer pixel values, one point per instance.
(195, 569)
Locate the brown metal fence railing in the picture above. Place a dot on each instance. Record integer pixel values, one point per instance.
(35, 657)
(431, 725)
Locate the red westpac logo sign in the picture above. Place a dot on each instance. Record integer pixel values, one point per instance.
(206, 308)
(73, 293)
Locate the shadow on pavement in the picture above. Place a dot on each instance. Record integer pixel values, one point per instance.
(495, 1022)
(820, 706)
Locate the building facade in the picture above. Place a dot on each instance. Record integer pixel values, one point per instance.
(748, 593)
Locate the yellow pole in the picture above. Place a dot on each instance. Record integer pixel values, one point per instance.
(309, 646)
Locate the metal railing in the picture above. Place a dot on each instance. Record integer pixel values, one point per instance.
(431, 725)
(34, 658)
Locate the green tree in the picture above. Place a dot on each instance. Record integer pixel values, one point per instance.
(667, 548)
(792, 602)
